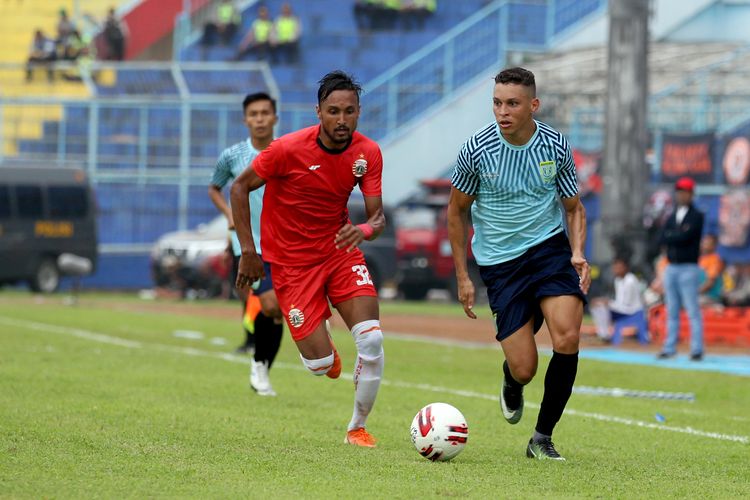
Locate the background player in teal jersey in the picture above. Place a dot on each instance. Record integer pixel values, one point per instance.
(260, 117)
(510, 175)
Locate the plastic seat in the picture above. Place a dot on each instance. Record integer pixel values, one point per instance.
(636, 320)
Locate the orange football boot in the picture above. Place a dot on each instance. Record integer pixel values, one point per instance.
(360, 437)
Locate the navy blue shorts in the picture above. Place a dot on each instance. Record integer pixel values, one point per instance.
(265, 284)
(516, 287)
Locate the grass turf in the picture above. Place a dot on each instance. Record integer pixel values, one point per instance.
(98, 400)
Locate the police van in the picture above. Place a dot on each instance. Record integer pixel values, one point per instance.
(47, 225)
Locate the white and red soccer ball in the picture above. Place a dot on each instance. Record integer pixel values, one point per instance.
(439, 432)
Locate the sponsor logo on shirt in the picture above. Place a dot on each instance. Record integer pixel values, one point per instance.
(314, 167)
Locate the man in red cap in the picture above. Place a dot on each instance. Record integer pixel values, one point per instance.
(682, 238)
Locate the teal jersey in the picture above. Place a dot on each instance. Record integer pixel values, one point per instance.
(232, 162)
(516, 189)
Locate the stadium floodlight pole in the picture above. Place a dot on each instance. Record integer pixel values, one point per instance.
(625, 171)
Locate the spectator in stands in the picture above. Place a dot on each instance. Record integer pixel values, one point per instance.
(224, 25)
(43, 52)
(258, 40)
(387, 14)
(738, 293)
(80, 50)
(363, 13)
(712, 266)
(627, 301)
(415, 12)
(682, 237)
(114, 34)
(65, 29)
(287, 31)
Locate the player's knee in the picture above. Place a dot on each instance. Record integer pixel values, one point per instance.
(318, 366)
(566, 341)
(523, 374)
(369, 339)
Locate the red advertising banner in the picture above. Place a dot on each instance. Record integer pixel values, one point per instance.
(687, 155)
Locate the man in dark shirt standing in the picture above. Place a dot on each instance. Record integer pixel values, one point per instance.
(682, 238)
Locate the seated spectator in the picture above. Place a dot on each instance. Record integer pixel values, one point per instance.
(258, 39)
(65, 29)
(712, 267)
(287, 31)
(81, 50)
(415, 12)
(114, 33)
(387, 14)
(738, 292)
(627, 300)
(226, 21)
(376, 14)
(363, 13)
(43, 52)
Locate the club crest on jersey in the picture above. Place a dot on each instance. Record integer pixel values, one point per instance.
(360, 167)
(547, 169)
(296, 318)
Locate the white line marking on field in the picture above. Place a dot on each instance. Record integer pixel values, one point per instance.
(190, 351)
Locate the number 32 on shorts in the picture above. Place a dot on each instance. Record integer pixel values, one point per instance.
(364, 275)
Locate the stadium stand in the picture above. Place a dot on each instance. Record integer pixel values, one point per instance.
(153, 132)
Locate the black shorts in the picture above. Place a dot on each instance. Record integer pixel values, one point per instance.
(516, 287)
(265, 284)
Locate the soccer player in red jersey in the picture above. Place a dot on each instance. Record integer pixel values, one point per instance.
(311, 244)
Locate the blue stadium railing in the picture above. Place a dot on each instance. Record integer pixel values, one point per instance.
(476, 45)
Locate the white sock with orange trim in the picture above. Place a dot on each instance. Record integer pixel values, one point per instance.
(368, 369)
(318, 366)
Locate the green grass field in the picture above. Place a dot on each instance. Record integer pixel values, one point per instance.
(101, 401)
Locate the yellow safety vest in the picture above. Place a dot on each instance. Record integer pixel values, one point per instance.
(262, 30)
(286, 28)
(226, 14)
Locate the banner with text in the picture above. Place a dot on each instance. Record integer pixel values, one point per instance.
(687, 155)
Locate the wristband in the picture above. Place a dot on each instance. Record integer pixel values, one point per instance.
(366, 229)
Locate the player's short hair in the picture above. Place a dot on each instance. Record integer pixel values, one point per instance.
(337, 80)
(517, 76)
(258, 96)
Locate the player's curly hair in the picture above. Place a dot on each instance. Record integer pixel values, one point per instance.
(517, 76)
(337, 80)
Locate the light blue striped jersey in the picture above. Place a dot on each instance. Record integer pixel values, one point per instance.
(516, 189)
(232, 162)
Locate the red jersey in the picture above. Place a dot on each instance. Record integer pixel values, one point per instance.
(307, 189)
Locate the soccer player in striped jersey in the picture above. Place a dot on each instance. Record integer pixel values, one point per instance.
(260, 116)
(509, 175)
(312, 244)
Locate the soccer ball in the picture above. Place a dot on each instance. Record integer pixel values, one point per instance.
(439, 432)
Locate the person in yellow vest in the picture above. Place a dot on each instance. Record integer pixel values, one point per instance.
(415, 12)
(287, 32)
(364, 10)
(258, 39)
(224, 25)
(387, 14)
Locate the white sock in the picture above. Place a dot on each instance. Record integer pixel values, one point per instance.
(368, 369)
(602, 319)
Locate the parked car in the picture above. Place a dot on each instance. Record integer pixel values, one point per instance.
(380, 254)
(47, 223)
(193, 260)
(187, 260)
(424, 254)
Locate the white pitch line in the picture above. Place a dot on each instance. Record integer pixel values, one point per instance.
(190, 351)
